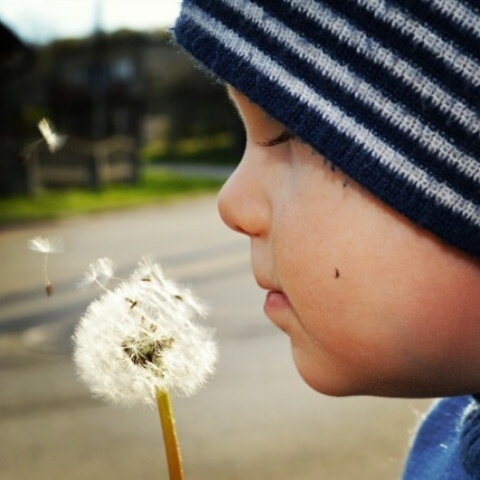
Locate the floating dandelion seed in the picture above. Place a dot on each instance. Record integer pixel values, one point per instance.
(99, 272)
(54, 140)
(46, 245)
(142, 340)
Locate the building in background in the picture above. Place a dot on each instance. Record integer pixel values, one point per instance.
(124, 84)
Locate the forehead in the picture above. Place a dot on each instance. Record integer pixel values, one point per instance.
(245, 106)
(237, 98)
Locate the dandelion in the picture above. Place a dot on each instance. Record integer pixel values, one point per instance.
(143, 335)
(143, 340)
(46, 245)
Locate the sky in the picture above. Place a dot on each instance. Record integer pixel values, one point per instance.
(39, 21)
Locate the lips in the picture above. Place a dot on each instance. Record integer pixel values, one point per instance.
(277, 306)
(276, 300)
(278, 309)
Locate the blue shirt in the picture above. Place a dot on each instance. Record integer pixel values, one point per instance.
(447, 444)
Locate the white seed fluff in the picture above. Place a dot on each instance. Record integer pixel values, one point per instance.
(143, 335)
(101, 271)
(46, 244)
(54, 140)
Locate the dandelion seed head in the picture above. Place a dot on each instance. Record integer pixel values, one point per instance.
(46, 244)
(140, 337)
(54, 140)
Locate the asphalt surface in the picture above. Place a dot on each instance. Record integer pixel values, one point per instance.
(256, 419)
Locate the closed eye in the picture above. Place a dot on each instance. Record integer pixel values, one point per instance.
(283, 137)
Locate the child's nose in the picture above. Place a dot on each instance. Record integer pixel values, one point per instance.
(242, 202)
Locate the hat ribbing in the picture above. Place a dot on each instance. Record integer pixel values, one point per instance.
(387, 90)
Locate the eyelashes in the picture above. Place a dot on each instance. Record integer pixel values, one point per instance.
(284, 137)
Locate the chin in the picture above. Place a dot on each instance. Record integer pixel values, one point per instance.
(330, 388)
(325, 379)
(334, 384)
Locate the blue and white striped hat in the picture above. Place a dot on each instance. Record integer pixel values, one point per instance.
(387, 90)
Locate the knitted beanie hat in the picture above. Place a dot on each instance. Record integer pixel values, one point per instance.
(387, 90)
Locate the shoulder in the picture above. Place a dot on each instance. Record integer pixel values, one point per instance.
(447, 444)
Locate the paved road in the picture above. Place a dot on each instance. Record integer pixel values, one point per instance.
(256, 420)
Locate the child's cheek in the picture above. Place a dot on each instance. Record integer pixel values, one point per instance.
(431, 309)
(444, 327)
(376, 330)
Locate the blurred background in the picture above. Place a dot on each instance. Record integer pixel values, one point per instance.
(144, 142)
(106, 74)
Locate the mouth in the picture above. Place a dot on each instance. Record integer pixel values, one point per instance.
(277, 308)
(276, 300)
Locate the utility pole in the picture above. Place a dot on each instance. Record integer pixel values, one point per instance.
(99, 77)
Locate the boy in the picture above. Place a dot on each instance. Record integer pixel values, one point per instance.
(360, 191)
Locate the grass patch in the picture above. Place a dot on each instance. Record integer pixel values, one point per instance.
(213, 149)
(154, 187)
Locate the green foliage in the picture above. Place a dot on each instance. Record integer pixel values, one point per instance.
(154, 187)
(213, 149)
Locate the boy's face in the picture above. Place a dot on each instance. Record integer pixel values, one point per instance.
(372, 304)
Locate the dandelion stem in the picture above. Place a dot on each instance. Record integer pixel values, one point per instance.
(46, 269)
(169, 436)
(48, 285)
